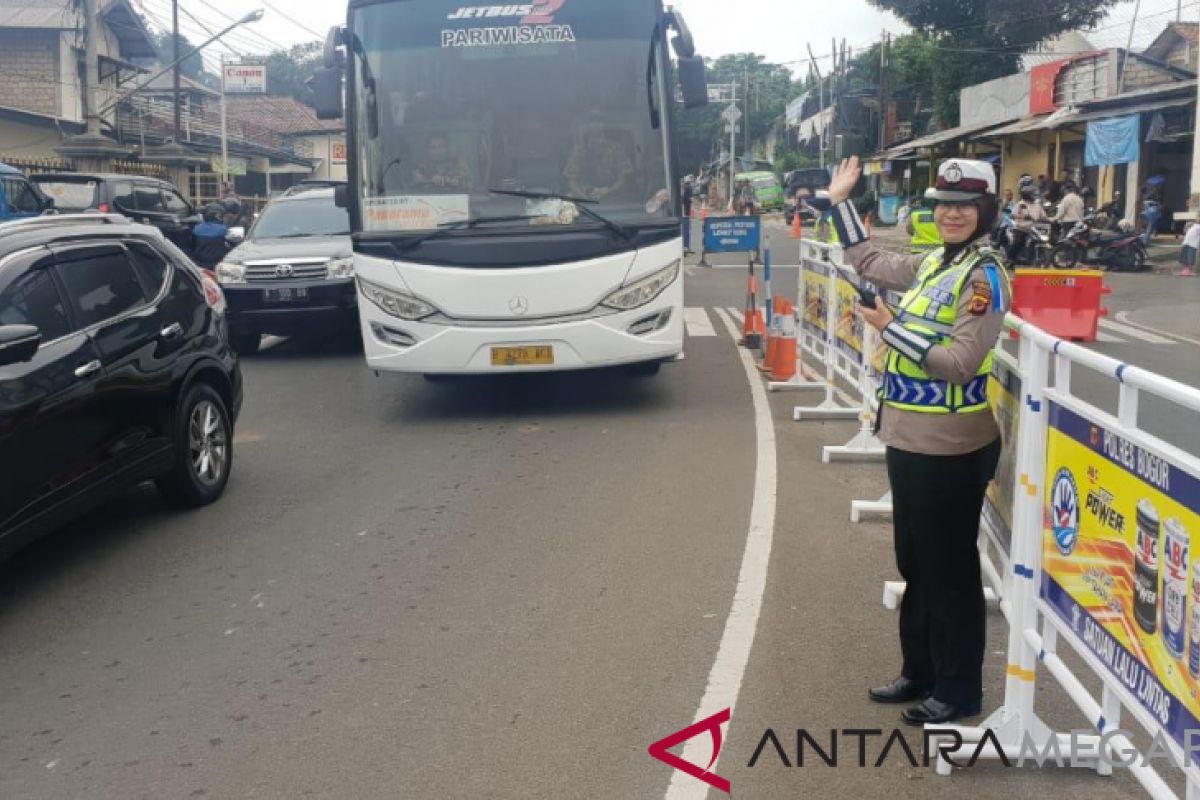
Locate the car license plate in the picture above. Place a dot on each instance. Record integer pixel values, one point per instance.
(521, 356)
(287, 294)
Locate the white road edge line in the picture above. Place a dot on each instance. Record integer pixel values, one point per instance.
(695, 319)
(729, 667)
(1136, 333)
(1101, 336)
(1124, 316)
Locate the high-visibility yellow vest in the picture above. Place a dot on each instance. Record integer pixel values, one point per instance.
(925, 233)
(929, 310)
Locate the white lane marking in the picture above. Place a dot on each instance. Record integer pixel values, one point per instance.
(1135, 333)
(697, 322)
(1101, 336)
(269, 342)
(729, 668)
(1124, 316)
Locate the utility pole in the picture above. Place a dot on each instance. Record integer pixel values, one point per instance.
(732, 141)
(820, 102)
(91, 70)
(1194, 199)
(225, 132)
(178, 96)
(1128, 47)
(883, 93)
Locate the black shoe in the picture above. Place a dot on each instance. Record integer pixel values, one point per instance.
(935, 712)
(901, 690)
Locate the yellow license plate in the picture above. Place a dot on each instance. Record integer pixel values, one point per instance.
(521, 356)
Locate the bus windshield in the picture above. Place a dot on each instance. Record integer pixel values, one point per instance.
(561, 97)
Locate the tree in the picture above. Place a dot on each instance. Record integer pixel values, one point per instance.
(288, 70)
(192, 66)
(701, 133)
(971, 41)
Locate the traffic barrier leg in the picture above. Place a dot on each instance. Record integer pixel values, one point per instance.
(880, 507)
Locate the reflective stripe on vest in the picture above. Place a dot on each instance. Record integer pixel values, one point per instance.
(930, 310)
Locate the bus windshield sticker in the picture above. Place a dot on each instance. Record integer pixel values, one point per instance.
(414, 212)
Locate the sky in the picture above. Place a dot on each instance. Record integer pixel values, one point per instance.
(778, 29)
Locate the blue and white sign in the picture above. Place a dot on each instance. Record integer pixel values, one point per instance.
(1112, 141)
(732, 234)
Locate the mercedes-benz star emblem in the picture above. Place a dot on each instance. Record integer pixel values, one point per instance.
(954, 174)
(519, 306)
(285, 271)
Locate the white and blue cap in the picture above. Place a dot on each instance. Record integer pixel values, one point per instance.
(961, 179)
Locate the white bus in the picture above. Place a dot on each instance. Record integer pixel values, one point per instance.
(512, 186)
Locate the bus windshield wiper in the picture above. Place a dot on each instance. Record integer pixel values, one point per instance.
(458, 225)
(579, 202)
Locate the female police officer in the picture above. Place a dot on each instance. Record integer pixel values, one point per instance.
(943, 443)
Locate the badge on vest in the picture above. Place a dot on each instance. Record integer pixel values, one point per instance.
(981, 298)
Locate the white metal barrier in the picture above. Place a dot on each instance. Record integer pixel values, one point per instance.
(1100, 521)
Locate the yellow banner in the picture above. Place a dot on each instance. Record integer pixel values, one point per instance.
(849, 331)
(1116, 565)
(816, 299)
(1004, 391)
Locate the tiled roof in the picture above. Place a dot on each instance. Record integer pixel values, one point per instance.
(285, 115)
(1188, 30)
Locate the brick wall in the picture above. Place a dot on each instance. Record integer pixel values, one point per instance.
(29, 76)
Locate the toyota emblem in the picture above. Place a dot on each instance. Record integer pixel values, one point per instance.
(519, 306)
(285, 271)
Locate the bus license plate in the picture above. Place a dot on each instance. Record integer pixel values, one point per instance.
(521, 356)
(289, 294)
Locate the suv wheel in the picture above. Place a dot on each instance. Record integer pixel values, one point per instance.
(203, 440)
(246, 343)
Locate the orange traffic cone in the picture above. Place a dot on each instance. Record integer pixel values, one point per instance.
(773, 333)
(797, 226)
(785, 350)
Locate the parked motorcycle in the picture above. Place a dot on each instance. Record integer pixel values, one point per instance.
(1119, 251)
(1037, 249)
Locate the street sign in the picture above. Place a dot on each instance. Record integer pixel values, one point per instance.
(245, 78)
(731, 114)
(732, 234)
(236, 166)
(720, 92)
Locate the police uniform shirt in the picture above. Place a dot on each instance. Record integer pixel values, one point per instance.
(977, 328)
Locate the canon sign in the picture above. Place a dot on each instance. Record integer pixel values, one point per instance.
(246, 78)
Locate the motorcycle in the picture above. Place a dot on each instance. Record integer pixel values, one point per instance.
(1037, 249)
(1120, 251)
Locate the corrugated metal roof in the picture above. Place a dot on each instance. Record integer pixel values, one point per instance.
(37, 14)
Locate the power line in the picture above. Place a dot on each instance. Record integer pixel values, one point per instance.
(295, 22)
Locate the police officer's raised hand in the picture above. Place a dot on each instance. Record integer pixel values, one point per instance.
(845, 177)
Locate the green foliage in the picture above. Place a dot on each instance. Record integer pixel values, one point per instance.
(192, 66)
(699, 131)
(288, 70)
(958, 43)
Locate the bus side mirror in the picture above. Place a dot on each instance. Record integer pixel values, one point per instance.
(682, 42)
(326, 85)
(693, 81)
(341, 197)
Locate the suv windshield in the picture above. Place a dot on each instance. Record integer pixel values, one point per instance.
(316, 216)
(69, 195)
(452, 103)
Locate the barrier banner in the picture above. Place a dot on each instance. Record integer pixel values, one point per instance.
(1004, 389)
(849, 332)
(1117, 562)
(816, 297)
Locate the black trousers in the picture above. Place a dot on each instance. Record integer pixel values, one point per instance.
(937, 501)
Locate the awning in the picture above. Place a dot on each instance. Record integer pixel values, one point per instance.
(932, 140)
(1038, 123)
(1109, 108)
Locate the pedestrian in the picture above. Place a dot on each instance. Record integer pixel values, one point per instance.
(1187, 253)
(231, 206)
(208, 238)
(1009, 200)
(943, 444)
(688, 192)
(1070, 209)
(1152, 205)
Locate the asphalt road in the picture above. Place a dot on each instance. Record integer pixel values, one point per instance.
(493, 588)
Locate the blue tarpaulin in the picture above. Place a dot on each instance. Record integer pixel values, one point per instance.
(1112, 141)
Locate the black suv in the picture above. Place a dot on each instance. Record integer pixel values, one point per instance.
(147, 200)
(115, 368)
(294, 274)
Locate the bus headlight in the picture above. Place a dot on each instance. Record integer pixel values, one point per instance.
(394, 303)
(341, 268)
(229, 272)
(639, 294)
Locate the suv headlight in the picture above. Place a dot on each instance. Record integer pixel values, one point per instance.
(229, 272)
(394, 303)
(645, 290)
(341, 268)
